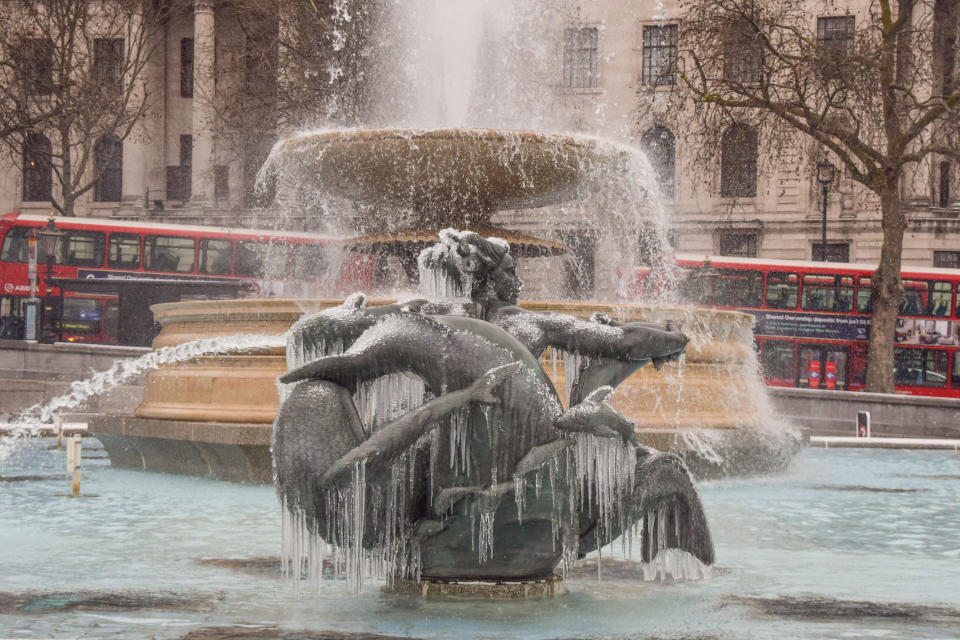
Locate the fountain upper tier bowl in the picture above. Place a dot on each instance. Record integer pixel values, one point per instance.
(447, 177)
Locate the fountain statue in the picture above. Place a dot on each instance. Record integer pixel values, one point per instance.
(481, 473)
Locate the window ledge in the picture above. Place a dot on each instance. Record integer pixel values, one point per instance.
(583, 90)
(659, 88)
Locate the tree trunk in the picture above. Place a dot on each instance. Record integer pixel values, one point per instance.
(886, 289)
(68, 194)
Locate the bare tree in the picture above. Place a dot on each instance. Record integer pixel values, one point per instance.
(71, 89)
(296, 64)
(875, 91)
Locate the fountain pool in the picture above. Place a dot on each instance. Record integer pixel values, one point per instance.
(845, 543)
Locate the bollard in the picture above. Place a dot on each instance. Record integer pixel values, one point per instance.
(863, 424)
(73, 462)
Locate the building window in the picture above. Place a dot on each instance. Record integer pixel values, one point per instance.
(580, 58)
(659, 55)
(944, 196)
(34, 61)
(221, 182)
(738, 162)
(742, 55)
(660, 147)
(108, 65)
(944, 49)
(835, 41)
(946, 259)
(735, 243)
(179, 176)
(836, 252)
(37, 171)
(108, 160)
(186, 68)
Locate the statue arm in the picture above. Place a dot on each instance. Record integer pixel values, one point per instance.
(397, 436)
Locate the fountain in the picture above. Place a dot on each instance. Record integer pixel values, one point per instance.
(507, 508)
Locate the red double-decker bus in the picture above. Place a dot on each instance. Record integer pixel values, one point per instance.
(274, 263)
(813, 320)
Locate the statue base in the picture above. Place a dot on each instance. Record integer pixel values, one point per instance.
(481, 589)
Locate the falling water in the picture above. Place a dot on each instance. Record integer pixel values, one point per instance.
(28, 421)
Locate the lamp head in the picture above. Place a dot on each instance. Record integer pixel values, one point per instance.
(48, 237)
(825, 173)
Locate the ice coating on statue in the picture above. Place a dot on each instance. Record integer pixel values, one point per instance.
(432, 456)
(449, 269)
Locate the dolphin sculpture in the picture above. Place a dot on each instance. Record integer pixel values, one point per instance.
(489, 381)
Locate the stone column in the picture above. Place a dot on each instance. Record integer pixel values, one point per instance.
(134, 185)
(204, 89)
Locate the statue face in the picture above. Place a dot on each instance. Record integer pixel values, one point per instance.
(505, 282)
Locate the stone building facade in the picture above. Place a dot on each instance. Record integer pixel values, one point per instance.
(626, 96)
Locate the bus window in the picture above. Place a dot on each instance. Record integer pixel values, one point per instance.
(15, 245)
(169, 253)
(940, 299)
(124, 251)
(84, 248)
(778, 361)
(250, 259)
(261, 259)
(309, 261)
(919, 367)
(111, 320)
(216, 256)
(955, 373)
(728, 288)
(80, 316)
(826, 356)
(858, 365)
(782, 290)
(915, 298)
(827, 293)
(863, 296)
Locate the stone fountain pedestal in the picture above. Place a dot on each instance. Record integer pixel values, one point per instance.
(480, 589)
(213, 416)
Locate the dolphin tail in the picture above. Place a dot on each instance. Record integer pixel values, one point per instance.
(664, 493)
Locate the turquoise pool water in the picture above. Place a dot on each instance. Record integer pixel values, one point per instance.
(845, 544)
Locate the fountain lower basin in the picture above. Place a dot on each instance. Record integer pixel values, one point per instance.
(213, 415)
(715, 379)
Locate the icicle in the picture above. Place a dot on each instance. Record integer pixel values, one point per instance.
(519, 495)
(485, 534)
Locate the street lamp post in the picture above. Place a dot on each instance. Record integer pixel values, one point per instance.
(47, 239)
(825, 175)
